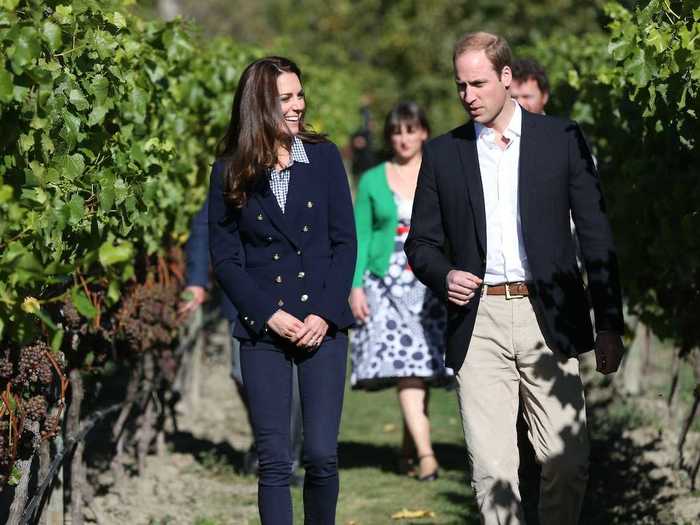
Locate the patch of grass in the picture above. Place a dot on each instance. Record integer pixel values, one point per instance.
(216, 464)
(371, 490)
(205, 521)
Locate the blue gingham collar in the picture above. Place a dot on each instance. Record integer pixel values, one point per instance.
(298, 151)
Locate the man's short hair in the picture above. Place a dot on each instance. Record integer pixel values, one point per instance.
(525, 69)
(496, 48)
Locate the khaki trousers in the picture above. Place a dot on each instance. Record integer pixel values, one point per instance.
(508, 360)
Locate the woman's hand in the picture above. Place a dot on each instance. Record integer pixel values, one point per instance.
(285, 325)
(358, 304)
(312, 332)
(192, 298)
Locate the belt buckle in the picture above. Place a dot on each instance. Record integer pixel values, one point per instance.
(510, 295)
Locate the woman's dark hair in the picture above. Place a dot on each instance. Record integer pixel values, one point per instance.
(254, 134)
(407, 113)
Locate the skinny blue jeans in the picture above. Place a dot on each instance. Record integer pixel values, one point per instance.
(267, 378)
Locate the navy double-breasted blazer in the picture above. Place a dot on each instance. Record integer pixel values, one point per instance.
(302, 260)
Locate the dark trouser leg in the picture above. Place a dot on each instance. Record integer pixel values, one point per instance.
(297, 421)
(267, 375)
(321, 382)
(250, 458)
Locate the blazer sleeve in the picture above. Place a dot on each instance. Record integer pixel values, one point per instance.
(343, 243)
(425, 244)
(363, 225)
(197, 249)
(254, 305)
(594, 234)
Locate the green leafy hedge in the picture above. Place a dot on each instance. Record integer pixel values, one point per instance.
(636, 91)
(109, 125)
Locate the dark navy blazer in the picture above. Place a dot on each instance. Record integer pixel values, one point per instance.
(197, 252)
(301, 261)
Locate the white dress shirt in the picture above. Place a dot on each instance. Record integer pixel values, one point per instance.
(506, 260)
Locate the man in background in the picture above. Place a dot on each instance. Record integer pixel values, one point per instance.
(530, 85)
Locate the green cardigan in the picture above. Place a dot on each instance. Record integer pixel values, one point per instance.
(376, 219)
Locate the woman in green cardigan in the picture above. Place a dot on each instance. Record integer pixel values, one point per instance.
(401, 324)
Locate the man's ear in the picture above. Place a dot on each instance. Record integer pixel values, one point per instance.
(506, 76)
(545, 98)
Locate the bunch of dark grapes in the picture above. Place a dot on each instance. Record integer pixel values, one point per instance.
(148, 316)
(35, 408)
(34, 365)
(5, 452)
(50, 428)
(6, 366)
(72, 318)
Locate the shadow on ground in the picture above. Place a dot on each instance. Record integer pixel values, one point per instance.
(621, 488)
(187, 443)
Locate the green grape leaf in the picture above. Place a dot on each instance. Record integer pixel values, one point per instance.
(10, 5)
(117, 20)
(71, 166)
(97, 115)
(110, 254)
(82, 303)
(99, 88)
(76, 209)
(52, 34)
(78, 100)
(57, 340)
(26, 49)
(64, 14)
(6, 86)
(113, 292)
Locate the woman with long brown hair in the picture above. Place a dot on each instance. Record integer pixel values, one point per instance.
(282, 241)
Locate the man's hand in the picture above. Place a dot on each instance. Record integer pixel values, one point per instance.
(358, 304)
(194, 296)
(608, 352)
(311, 334)
(284, 324)
(462, 286)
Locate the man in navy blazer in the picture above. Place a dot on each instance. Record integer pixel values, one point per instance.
(490, 233)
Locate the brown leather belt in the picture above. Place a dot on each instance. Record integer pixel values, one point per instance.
(510, 290)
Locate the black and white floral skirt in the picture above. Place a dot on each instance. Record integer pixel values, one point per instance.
(404, 335)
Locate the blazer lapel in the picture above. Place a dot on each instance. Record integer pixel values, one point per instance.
(268, 202)
(475, 191)
(526, 169)
(299, 181)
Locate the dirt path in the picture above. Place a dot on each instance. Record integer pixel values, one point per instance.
(632, 478)
(195, 481)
